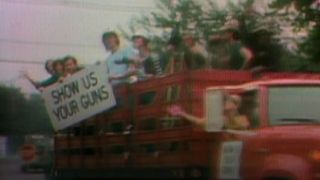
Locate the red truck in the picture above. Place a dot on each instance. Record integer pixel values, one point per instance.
(140, 139)
(282, 140)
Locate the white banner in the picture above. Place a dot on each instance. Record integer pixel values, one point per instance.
(79, 97)
(214, 110)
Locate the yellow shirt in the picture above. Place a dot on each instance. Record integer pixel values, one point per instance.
(238, 122)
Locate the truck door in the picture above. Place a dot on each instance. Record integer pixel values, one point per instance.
(239, 118)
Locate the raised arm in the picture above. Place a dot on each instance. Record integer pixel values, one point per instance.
(248, 56)
(33, 82)
(176, 110)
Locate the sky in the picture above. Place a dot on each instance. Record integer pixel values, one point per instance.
(33, 31)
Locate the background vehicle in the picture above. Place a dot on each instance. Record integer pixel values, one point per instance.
(37, 153)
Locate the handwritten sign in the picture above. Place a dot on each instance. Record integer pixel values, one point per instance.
(78, 97)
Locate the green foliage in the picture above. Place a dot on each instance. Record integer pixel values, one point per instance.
(19, 115)
(307, 18)
(206, 19)
(303, 7)
(311, 46)
(187, 16)
(279, 4)
(39, 119)
(10, 99)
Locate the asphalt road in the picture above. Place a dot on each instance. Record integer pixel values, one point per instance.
(10, 170)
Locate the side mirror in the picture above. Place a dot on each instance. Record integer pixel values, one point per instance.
(214, 110)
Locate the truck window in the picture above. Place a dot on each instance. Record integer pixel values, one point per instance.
(294, 105)
(232, 111)
(250, 107)
(241, 110)
(233, 118)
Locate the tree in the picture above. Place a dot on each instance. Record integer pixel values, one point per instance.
(39, 116)
(205, 19)
(184, 16)
(10, 98)
(19, 115)
(307, 17)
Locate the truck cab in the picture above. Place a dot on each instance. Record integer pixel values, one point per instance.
(282, 139)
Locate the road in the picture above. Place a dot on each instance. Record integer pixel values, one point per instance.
(10, 170)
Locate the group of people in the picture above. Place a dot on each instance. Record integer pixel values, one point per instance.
(183, 52)
(128, 65)
(58, 70)
(138, 62)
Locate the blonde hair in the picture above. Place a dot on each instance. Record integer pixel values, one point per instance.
(236, 99)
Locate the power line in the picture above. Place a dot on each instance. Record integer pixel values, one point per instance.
(19, 61)
(41, 43)
(109, 7)
(87, 5)
(12, 61)
(12, 80)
